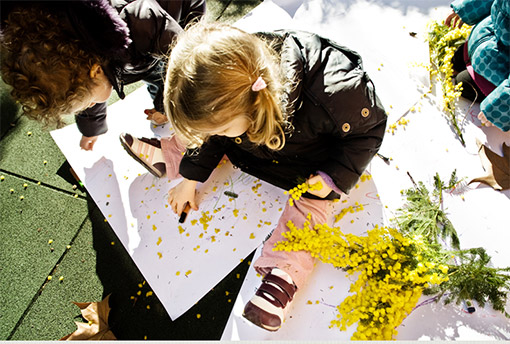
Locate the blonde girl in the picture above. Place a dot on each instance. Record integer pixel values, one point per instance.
(286, 107)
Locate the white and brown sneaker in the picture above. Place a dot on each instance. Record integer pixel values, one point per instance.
(267, 308)
(146, 151)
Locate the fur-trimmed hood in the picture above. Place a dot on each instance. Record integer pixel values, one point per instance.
(95, 22)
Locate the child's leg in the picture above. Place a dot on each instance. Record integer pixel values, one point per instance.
(470, 89)
(297, 264)
(458, 63)
(284, 272)
(173, 151)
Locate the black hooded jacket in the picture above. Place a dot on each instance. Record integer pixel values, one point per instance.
(132, 35)
(338, 121)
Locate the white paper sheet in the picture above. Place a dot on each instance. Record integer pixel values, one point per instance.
(181, 262)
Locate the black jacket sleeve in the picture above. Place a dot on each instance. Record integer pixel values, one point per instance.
(198, 164)
(152, 25)
(92, 121)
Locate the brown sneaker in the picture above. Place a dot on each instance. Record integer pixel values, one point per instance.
(146, 151)
(267, 308)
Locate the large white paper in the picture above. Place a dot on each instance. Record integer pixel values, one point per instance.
(181, 262)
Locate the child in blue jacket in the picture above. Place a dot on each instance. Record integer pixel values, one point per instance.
(483, 62)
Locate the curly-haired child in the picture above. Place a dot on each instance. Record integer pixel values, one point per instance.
(65, 57)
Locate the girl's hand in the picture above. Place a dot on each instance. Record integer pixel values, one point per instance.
(485, 121)
(453, 20)
(181, 194)
(324, 191)
(156, 117)
(87, 143)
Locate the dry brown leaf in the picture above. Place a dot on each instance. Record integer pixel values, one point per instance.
(497, 168)
(96, 313)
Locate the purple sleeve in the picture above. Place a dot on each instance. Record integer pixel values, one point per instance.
(329, 182)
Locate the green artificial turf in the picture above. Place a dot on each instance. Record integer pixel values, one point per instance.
(37, 224)
(28, 151)
(53, 314)
(9, 110)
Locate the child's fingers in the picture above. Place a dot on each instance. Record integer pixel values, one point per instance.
(193, 205)
(87, 143)
(157, 117)
(171, 201)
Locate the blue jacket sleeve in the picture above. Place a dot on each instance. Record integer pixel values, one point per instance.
(500, 14)
(472, 11)
(496, 107)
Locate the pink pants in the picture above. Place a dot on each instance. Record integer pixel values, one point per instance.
(297, 264)
(172, 151)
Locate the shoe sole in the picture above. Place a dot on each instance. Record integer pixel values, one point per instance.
(127, 148)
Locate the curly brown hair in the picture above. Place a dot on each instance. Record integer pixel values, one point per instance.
(44, 65)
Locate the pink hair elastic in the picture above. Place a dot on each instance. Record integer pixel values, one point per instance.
(258, 85)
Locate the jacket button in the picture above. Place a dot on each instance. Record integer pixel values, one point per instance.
(346, 127)
(238, 140)
(365, 112)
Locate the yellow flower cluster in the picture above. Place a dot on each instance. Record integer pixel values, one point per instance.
(392, 271)
(296, 192)
(443, 42)
(351, 209)
(402, 121)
